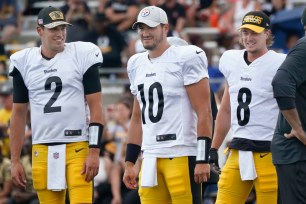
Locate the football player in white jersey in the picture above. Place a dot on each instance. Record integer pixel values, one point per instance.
(249, 109)
(61, 83)
(171, 121)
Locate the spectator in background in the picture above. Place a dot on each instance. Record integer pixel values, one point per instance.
(176, 17)
(231, 20)
(28, 195)
(108, 39)
(77, 13)
(3, 69)
(5, 177)
(6, 103)
(123, 13)
(10, 22)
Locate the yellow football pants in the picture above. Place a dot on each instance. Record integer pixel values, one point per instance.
(232, 190)
(175, 183)
(80, 191)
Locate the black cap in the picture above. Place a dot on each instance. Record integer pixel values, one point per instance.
(6, 88)
(51, 17)
(303, 19)
(256, 21)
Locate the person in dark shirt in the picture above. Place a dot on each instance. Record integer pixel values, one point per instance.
(108, 39)
(289, 140)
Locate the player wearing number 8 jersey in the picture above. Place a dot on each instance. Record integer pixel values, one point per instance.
(61, 83)
(171, 118)
(248, 107)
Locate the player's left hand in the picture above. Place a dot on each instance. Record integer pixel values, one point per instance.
(201, 173)
(91, 164)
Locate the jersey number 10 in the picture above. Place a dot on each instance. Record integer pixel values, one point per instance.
(160, 95)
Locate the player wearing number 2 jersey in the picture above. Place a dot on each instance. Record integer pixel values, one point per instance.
(248, 107)
(171, 120)
(61, 83)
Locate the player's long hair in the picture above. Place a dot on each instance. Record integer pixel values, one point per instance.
(269, 41)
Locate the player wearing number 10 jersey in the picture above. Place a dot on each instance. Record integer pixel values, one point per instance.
(249, 108)
(61, 83)
(171, 118)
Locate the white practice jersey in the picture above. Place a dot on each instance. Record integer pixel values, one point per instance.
(254, 110)
(59, 112)
(168, 120)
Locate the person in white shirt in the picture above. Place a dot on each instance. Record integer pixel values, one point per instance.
(61, 83)
(171, 120)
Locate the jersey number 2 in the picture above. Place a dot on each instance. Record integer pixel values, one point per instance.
(160, 110)
(244, 105)
(58, 88)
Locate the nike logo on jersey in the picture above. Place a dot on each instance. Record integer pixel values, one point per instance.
(198, 52)
(263, 155)
(150, 75)
(77, 150)
(97, 54)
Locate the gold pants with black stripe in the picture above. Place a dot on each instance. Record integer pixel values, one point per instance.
(232, 190)
(80, 191)
(175, 183)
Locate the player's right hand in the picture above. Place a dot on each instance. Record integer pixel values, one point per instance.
(18, 175)
(129, 177)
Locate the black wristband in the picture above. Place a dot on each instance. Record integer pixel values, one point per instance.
(203, 146)
(95, 131)
(132, 152)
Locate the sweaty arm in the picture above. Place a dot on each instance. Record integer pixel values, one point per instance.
(17, 127)
(223, 121)
(92, 89)
(199, 96)
(133, 147)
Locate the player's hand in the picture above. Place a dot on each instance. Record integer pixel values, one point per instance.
(116, 200)
(129, 177)
(214, 160)
(18, 175)
(91, 164)
(201, 173)
(300, 134)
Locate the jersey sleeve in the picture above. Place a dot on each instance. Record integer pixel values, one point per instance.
(195, 67)
(222, 64)
(131, 70)
(17, 60)
(90, 55)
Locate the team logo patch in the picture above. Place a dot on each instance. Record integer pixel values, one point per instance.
(56, 15)
(35, 153)
(145, 12)
(252, 19)
(55, 155)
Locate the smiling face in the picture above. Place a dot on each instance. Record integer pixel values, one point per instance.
(52, 40)
(253, 42)
(150, 37)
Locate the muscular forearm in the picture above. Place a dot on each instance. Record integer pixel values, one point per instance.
(293, 119)
(222, 127)
(18, 121)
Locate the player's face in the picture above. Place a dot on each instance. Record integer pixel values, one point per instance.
(53, 40)
(151, 37)
(252, 41)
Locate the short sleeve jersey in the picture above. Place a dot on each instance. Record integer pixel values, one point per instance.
(59, 112)
(168, 119)
(254, 110)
